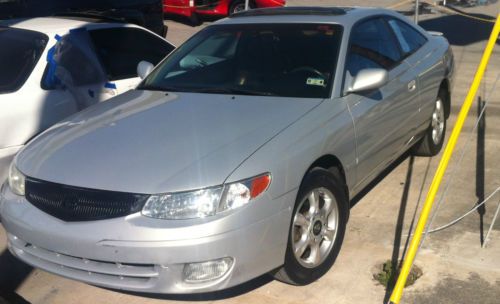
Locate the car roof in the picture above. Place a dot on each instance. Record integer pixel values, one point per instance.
(340, 15)
(58, 25)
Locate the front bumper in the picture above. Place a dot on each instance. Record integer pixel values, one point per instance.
(112, 253)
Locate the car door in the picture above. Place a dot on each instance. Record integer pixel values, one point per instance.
(382, 117)
(420, 56)
(120, 49)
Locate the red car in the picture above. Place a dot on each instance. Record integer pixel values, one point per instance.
(193, 8)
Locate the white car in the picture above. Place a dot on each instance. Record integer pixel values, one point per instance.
(54, 67)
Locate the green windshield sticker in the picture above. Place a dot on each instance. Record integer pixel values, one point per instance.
(316, 82)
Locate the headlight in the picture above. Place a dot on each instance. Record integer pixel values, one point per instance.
(16, 180)
(205, 202)
(183, 205)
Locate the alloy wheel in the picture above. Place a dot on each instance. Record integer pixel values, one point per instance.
(238, 8)
(315, 226)
(438, 120)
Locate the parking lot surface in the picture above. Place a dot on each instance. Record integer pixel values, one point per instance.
(455, 267)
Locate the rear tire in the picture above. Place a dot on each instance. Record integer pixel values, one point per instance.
(194, 19)
(317, 229)
(432, 142)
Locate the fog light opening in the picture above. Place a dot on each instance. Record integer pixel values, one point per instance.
(207, 271)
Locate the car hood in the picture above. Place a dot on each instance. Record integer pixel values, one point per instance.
(153, 142)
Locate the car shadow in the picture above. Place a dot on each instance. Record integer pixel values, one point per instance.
(12, 275)
(379, 178)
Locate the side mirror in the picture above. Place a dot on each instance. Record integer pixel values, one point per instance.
(144, 68)
(368, 79)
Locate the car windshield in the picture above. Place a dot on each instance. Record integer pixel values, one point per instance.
(287, 60)
(19, 53)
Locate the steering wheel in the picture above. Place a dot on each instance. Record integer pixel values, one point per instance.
(308, 69)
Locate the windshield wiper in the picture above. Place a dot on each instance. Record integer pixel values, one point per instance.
(213, 90)
(163, 88)
(237, 91)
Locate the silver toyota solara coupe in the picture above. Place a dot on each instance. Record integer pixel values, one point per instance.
(235, 157)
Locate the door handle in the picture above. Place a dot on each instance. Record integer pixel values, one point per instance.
(412, 85)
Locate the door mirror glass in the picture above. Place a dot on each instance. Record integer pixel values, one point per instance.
(144, 68)
(368, 79)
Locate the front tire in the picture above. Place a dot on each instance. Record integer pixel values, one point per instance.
(317, 230)
(433, 139)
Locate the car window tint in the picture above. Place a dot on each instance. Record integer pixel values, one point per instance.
(292, 60)
(20, 51)
(372, 46)
(121, 49)
(409, 38)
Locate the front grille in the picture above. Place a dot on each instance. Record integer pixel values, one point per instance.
(72, 204)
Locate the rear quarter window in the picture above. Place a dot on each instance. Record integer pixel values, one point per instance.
(408, 38)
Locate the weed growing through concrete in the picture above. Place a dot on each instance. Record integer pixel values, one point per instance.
(387, 274)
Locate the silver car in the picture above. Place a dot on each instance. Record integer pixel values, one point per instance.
(235, 157)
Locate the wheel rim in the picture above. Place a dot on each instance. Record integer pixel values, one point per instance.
(438, 122)
(315, 226)
(238, 8)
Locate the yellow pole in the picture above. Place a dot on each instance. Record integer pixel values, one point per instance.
(443, 164)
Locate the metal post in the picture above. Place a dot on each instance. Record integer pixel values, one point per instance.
(417, 4)
(247, 5)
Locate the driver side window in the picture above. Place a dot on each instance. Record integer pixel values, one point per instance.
(372, 46)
